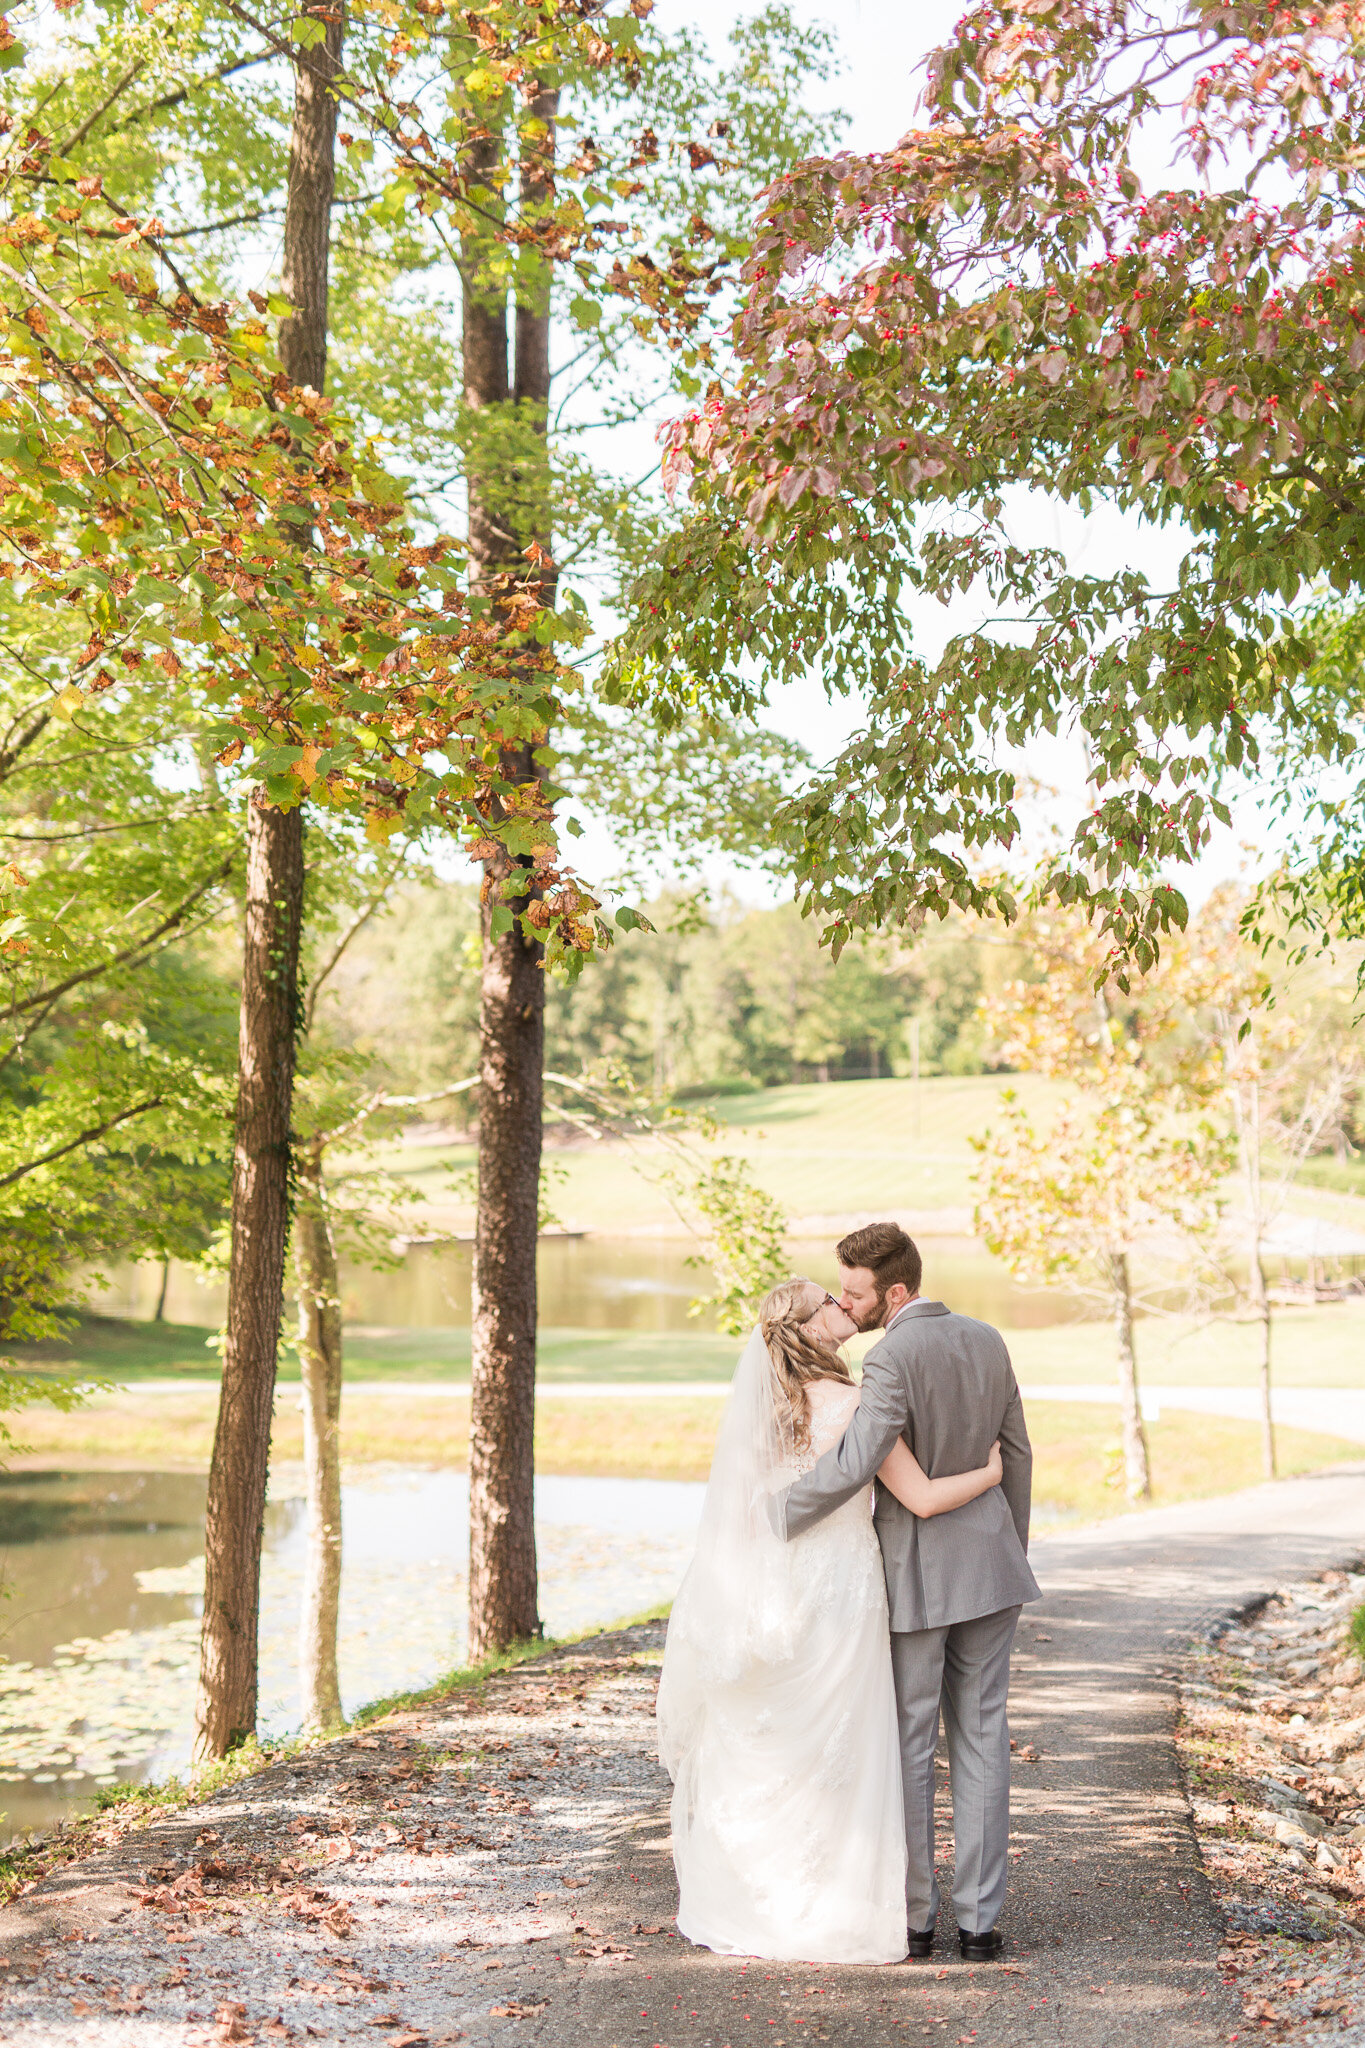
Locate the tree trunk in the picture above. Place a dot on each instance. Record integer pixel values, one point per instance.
(1260, 1303)
(1136, 1472)
(503, 1582)
(1249, 1132)
(320, 1357)
(225, 1713)
(159, 1312)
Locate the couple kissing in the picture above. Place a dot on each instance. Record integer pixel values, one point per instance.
(860, 1567)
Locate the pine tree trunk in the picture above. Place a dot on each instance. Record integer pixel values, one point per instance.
(1136, 1471)
(320, 1359)
(225, 1713)
(503, 1584)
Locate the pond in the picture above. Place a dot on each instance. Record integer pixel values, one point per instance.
(103, 1576)
(593, 1282)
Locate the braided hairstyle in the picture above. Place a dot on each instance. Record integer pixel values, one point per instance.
(797, 1359)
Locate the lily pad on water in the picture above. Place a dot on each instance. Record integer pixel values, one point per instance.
(121, 1704)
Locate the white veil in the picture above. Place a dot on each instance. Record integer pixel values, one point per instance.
(733, 1611)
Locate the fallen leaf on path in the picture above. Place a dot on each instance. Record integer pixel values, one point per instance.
(575, 1884)
(230, 2015)
(516, 2010)
(639, 1928)
(387, 2019)
(494, 1963)
(81, 2006)
(276, 2029)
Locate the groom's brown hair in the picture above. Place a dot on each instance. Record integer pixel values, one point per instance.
(887, 1253)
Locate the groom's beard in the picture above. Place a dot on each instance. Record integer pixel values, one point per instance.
(875, 1319)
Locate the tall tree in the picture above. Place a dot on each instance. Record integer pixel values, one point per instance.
(350, 720)
(1287, 1069)
(1132, 1153)
(502, 1548)
(262, 1168)
(994, 306)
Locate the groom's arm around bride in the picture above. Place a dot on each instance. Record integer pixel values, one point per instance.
(955, 1582)
(944, 1382)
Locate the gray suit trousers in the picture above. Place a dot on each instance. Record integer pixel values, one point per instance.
(965, 1669)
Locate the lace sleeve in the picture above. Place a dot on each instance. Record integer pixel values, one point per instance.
(832, 1407)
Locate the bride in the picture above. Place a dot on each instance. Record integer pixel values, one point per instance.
(777, 1717)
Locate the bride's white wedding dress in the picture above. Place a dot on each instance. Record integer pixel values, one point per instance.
(777, 1714)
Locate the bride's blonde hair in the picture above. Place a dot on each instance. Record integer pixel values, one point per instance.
(797, 1359)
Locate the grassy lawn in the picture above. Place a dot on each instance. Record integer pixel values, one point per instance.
(1076, 1446)
(1310, 1347)
(846, 1146)
(104, 1347)
(1313, 1347)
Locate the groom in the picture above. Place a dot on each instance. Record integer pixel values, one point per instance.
(955, 1583)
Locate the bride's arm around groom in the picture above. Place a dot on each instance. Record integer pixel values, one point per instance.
(943, 1383)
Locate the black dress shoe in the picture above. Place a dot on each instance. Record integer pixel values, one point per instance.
(920, 1944)
(986, 1947)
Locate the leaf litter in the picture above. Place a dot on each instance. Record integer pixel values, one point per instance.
(1272, 1743)
(376, 1887)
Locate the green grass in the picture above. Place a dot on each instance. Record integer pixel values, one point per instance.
(104, 1347)
(841, 1147)
(1313, 1347)
(472, 1677)
(1358, 1632)
(818, 1149)
(1310, 1347)
(1341, 1176)
(1077, 1455)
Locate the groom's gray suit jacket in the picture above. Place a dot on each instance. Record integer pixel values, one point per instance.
(944, 1383)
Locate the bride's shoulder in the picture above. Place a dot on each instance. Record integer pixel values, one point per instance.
(832, 1394)
(831, 1403)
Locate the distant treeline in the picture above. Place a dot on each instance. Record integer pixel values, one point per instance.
(715, 998)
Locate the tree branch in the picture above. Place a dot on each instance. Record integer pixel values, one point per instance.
(168, 923)
(88, 123)
(362, 917)
(85, 1138)
(174, 99)
(94, 831)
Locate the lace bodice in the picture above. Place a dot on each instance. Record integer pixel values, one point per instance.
(832, 1408)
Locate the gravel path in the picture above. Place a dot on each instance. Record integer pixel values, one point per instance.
(495, 1867)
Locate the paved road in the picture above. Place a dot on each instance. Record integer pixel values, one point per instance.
(1113, 1935)
(1110, 1919)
